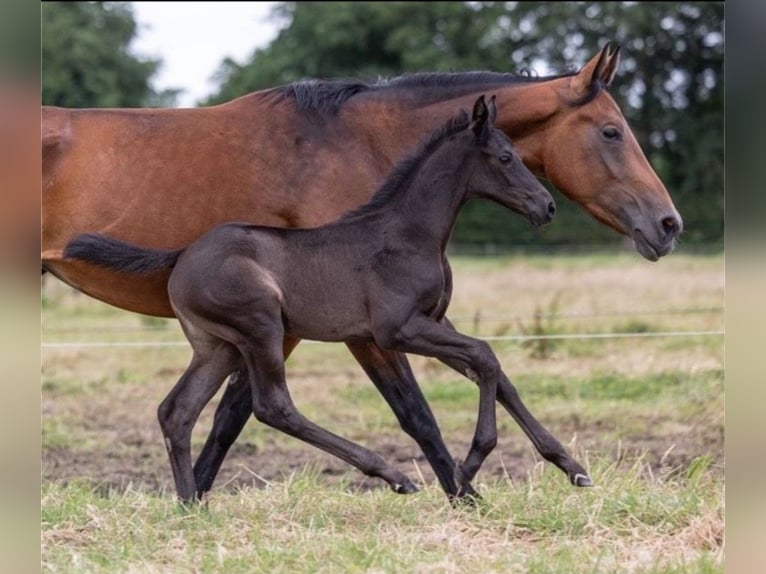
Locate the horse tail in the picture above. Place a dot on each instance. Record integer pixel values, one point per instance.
(113, 254)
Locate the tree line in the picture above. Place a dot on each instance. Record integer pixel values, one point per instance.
(670, 84)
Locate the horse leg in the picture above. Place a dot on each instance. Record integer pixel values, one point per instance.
(391, 374)
(470, 357)
(180, 410)
(546, 444)
(232, 413)
(272, 405)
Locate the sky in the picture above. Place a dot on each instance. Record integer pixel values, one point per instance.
(193, 38)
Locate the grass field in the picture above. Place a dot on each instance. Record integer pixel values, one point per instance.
(644, 411)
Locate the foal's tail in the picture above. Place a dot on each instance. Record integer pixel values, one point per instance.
(113, 254)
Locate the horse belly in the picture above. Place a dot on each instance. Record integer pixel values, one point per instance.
(335, 321)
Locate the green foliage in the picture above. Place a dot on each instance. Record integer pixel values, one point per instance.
(670, 83)
(86, 61)
(363, 40)
(19, 40)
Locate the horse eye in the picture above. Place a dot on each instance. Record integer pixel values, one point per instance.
(611, 133)
(505, 158)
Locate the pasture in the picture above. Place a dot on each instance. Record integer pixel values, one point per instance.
(644, 412)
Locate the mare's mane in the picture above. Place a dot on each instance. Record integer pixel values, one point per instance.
(329, 96)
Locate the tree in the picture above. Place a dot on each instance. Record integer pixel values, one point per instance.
(86, 60)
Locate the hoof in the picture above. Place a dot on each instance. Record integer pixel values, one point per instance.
(406, 488)
(466, 490)
(187, 505)
(466, 497)
(581, 480)
(467, 500)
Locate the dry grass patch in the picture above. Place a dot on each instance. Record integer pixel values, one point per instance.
(645, 415)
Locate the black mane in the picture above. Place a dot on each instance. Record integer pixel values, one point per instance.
(404, 169)
(329, 95)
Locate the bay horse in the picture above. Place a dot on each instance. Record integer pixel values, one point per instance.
(162, 177)
(377, 274)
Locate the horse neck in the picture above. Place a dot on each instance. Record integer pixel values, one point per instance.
(430, 201)
(523, 111)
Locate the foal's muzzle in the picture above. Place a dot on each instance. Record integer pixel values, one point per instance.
(542, 213)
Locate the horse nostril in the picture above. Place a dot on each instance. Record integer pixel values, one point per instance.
(551, 209)
(670, 225)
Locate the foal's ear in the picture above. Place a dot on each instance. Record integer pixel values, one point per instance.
(492, 110)
(481, 114)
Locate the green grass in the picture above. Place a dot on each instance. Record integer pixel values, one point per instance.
(303, 525)
(645, 416)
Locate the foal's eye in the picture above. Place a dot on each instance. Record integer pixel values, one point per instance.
(611, 133)
(505, 158)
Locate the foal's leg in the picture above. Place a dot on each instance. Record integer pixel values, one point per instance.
(180, 410)
(468, 356)
(232, 413)
(272, 405)
(546, 444)
(391, 373)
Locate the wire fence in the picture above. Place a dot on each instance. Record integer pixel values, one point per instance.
(482, 315)
(476, 319)
(517, 338)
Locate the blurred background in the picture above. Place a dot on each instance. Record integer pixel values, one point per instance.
(669, 85)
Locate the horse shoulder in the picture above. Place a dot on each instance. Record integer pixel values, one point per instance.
(56, 136)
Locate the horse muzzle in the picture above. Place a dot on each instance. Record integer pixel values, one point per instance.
(659, 238)
(541, 213)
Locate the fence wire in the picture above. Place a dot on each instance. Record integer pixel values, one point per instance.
(517, 338)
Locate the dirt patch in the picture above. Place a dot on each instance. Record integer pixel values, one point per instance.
(142, 464)
(99, 404)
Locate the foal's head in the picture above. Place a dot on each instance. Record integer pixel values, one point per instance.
(500, 175)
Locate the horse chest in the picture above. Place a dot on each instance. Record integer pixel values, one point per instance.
(417, 278)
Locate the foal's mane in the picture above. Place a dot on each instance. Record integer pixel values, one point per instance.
(405, 169)
(328, 96)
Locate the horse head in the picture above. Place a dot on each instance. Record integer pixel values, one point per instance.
(591, 155)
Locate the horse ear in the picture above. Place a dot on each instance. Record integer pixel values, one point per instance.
(479, 117)
(492, 110)
(613, 62)
(480, 112)
(601, 68)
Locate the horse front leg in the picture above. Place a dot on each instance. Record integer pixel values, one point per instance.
(232, 413)
(546, 444)
(470, 357)
(391, 373)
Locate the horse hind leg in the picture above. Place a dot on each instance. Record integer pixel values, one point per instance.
(272, 405)
(232, 413)
(180, 410)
